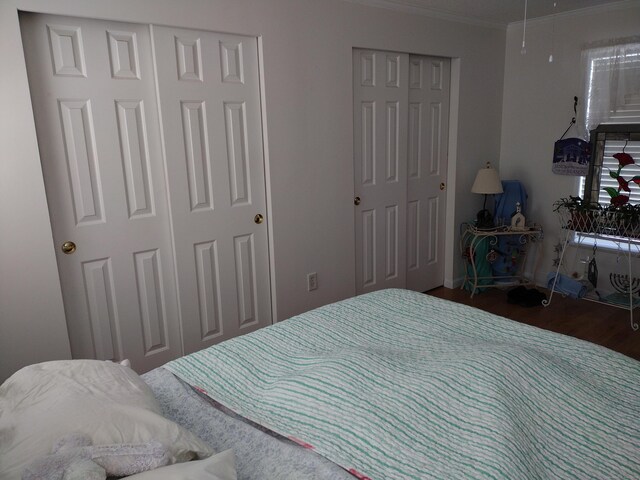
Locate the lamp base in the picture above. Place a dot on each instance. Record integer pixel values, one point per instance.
(484, 219)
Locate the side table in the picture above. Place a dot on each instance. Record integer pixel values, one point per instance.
(471, 245)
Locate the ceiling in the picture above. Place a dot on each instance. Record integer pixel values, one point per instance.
(489, 12)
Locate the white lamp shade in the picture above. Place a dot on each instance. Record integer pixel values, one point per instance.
(487, 181)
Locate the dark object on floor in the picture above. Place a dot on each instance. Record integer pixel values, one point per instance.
(525, 297)
(592, 272)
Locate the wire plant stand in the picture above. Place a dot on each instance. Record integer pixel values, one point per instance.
(613, 227)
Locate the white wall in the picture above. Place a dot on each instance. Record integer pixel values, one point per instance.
(32, 323)
(308, 104)
(538, 105)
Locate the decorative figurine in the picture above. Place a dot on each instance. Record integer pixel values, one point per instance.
(517, 220)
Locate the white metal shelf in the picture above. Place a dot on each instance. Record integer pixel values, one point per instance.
(597, 224)
(470, 239)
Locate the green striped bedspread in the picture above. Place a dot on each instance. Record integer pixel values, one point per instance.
(397, 384)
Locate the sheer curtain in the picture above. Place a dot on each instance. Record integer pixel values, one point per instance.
(612, 83)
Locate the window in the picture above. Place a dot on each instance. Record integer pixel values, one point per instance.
(612, 96)
(612, 84)
(608, 140)
(611, 147)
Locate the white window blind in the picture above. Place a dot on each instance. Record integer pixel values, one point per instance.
(612, 92)
(612, 84)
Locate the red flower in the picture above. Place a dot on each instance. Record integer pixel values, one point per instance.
(624, 185)
(619, 200)
(624, 159)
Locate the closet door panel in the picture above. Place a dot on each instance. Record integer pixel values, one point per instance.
(401, 107)
(211, 122)
(426, 194)
(93, 92)
(380, 166)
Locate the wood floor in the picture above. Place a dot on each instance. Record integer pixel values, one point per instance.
(601, 324)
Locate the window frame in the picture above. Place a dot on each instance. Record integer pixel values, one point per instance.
(599, 137)
(609, 123)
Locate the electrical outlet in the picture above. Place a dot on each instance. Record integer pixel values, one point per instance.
(312, 281)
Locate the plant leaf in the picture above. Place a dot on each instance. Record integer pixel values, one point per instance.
(613, 174)
(611, 191)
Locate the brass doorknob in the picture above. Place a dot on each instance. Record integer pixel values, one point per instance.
(68, 247)
(258, 218)
(356, 201)
(442, 185)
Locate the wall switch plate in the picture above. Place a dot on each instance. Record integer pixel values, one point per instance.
(312, 281)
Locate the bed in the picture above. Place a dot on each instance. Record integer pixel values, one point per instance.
(396, 385)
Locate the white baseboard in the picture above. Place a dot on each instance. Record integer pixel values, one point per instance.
(455, 283)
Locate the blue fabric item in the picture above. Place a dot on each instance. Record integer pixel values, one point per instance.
(510, 253)
(508, 247)
(505, 202)
(483, 267)
(566, 285)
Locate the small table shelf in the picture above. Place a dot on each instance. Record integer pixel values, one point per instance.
(472, 237)
(600, 226)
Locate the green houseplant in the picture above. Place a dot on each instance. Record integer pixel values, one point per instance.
(619, 218)
(581, 215)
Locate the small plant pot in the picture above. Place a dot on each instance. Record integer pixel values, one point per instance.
(581, 221)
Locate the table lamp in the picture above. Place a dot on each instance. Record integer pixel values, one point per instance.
(487, 182)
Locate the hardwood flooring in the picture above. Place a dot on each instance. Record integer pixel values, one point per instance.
(594, 322)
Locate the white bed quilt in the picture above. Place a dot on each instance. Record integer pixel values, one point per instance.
(397, 384)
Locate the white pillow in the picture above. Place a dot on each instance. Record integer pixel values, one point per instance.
(217, 467)
(107, 401)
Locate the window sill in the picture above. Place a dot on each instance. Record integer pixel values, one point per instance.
(605, 242)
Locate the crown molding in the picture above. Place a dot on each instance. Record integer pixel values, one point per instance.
(428, 12)
(595, 10)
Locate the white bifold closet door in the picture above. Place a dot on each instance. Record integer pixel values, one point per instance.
(381, 97)
(401, 114)
(428, 134)
(165, 260)
(210, 114)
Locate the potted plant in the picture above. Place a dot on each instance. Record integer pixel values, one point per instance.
(581, 215)
(619, 218)
(623, 220)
